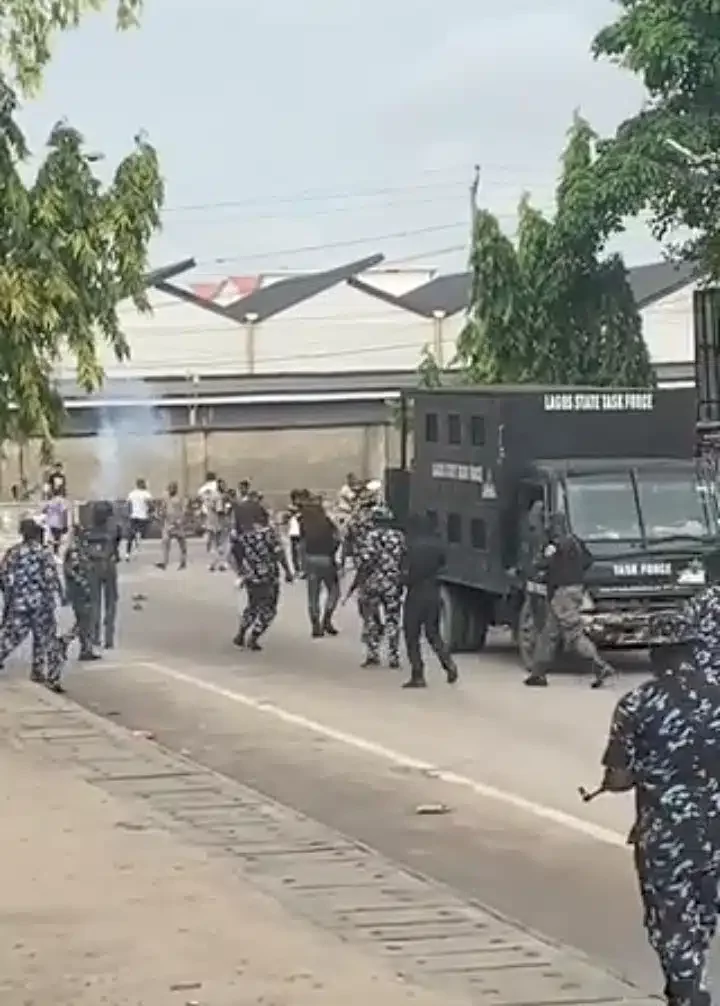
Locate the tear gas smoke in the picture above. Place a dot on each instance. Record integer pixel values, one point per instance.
(129, 443)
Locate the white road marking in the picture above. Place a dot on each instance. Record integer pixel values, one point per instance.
(397, 758)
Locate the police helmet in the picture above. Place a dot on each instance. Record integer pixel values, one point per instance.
(672, 628)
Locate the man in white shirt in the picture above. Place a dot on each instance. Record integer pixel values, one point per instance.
(140, 510)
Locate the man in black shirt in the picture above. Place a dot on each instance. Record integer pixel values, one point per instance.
(424, 559)
(566, 561)
(319, 540)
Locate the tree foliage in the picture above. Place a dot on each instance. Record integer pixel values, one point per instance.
(674, 46)
(70, 248)
(551, 308)
(28, 28)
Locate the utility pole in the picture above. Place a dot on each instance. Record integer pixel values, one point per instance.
(474, 189)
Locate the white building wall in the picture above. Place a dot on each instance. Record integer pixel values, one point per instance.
(668, 327)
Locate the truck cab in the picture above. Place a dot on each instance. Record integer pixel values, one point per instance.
(648, 523)
(492, 465)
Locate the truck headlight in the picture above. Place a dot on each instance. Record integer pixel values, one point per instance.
(587, 603)
(693, 575)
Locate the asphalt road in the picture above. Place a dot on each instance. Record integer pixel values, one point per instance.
(303, 723)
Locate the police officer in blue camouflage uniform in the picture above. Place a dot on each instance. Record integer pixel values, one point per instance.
(664, 743)
(379, 578)
(257, 554)
(31, 588)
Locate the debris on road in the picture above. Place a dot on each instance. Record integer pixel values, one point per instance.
(432, 808)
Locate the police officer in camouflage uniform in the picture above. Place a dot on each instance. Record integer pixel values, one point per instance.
(78, 575)
(379, 580)
(664, 743)
(257, 554)
(565, 561)
(31, 588)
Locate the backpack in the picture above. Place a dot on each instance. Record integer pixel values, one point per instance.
(100, 546)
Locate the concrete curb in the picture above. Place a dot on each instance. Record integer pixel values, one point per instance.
(432, 937)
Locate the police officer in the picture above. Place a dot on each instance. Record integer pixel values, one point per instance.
(566, 561)
(78, 575)
(664, 743)
(379, 580)
(424, 559)
(31, 587)
(257, 553)
(102, 540)
(704, 612)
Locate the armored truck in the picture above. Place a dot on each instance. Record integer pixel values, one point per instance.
(492, 464)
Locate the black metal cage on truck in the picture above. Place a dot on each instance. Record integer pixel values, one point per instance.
(619, 462)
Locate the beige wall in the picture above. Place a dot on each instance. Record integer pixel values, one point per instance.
(275, 460)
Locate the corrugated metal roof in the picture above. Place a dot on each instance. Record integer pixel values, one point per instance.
(266, 301)
(451, 294)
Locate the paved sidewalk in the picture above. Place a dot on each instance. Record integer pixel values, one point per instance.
(100, 909)
(134, 877)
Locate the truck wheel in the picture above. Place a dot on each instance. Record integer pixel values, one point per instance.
(529, 624)
(452, 619)
(476, 626)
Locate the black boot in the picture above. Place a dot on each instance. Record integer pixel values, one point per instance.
(415, 682)
(536, 680)
(328, 628)
(253, 644)
(317, 630)
(239, 640)
(371, 662)
(88, 655)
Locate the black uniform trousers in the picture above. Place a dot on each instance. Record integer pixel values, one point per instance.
(421, 614)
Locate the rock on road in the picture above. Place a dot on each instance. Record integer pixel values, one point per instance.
(302, 723)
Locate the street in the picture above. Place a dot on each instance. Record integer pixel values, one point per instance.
(302, 723)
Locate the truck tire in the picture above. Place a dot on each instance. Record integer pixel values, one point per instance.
(452, 618)
(530, 620)
(477, 623)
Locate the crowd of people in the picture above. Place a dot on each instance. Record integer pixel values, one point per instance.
(394, 570)
(664, 738)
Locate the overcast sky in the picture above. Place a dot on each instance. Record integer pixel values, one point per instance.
(303, 133)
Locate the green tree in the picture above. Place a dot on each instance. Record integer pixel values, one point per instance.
(29, 27)
(674, 46)
(70, 248)
(551, 308)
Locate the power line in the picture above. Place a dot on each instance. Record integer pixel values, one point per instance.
(331, 195)
(454, 192)
(329, 246)
(406, 320)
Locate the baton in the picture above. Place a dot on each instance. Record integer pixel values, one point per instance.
(587, 795)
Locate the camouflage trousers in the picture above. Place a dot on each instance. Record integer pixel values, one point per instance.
(48, 651)
(260, 609)
(680, 901)
(381, 612)
(564, 626)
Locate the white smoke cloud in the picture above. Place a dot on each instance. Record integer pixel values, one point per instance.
(131, 441)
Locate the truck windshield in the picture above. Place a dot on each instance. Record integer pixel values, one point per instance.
(673, 505)
(603, 507)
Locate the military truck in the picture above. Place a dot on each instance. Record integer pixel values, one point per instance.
(492, 464)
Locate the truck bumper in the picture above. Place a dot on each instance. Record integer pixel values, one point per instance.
(621, 630)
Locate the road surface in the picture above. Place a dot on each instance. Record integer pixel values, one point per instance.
(304, 724)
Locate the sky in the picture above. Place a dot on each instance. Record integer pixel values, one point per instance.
(301, 134)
